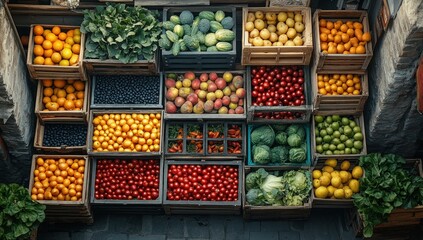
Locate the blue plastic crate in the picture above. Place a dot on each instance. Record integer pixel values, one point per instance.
(308, 141)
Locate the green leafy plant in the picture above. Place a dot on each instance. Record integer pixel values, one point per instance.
(19, 214)
(387, 185)
(117, 31)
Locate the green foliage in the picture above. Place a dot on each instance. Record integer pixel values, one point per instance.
(298, 187)
(121, 32)
(388, 185)
(263, 135)
(164, 42)
(19, 214)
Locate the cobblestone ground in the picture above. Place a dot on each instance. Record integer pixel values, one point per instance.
(322, 224)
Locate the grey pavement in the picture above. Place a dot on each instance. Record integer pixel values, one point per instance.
(322, 225)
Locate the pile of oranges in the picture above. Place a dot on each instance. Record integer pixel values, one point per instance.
(127, 132)
(63, 95)
(58, 179)
(339, 84)
(54, 47)
(343, 38)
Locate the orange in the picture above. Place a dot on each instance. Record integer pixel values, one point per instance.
(79, 103)
(56, 30)
(39, 60)
(70, 33)
(324, 46)
(76, 48)
(324, 30)
(71, 96)
(344, 28)
(322, 23)
(46, 31)
(66, 53)
(70, 89)
(62, 36)
(358, 25)
(358, 34)
(64, 62)
(59, 83)
(58, 45)
(54, 98)
(52, 106)
(48, 92)
(61, 101)
(67, 45)
(366, 37)
(350, 32)
(38, 50)
(74, 59)
(80, 95)
(345, 38)
(340, 48)
(77, 38)
(48, 53)
(329, 25)
(79, 85)
(337, 39)
(323, 37)
(76, 31)
(46, 100)
(56, 57)
(38, 40)
(51, 37)
(47, 44)
(38, 30)
(360, 49)
(61, 93)
(70, 41)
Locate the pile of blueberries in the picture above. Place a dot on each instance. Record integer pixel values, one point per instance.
(126, 89)
(57, 134)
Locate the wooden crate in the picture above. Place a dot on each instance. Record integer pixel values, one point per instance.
(116, 67)
(55, 71)
(46, 115)
(278, 55)
(340, 63)
(304, 110)
(274, 212)
(66, 211)
(203, 207)
(202, 61)
(359, 119)
(332, 203)
(126, 206)
(39, 136)
(94, 113)
(333, 104)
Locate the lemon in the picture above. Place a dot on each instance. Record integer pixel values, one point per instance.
(66, 53)
(346, 187)
(321, 192)
(348, 193)
(328, 169)
(327, 175)
(345, 165)
(316, 183)
(317, 174)
(331, 162)
(334, 174)
(357, 172)
(331, 190)
(339, 193)
(354, 185)
(324, 181)
(349, 176)
(335, 181)
(64, 62)
(341, 186)
(344, 176)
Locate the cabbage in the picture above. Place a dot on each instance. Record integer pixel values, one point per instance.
(255, 179)
(255, 197)
(292, 129)
(294, 140)
(298, 187)
(263, 135)
(279, 154)
(273, 189)
(281, 138)
(261, 154)
(279, 127)
(297, 155)
(302, 133)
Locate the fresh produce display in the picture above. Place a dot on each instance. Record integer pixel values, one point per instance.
(278, 144)
(290, 188)
(126, 89)
(63, 95)
(62, 134)
(342, 37)
(336, 181)
(121, 32)
(136, 132)
(205, 93)
(338, 135)
(339, 84)
(275, 29)
(208, 31)
(127, 179)
(58, 179)
(55, 46)
(221, 138)
(193, 182)
(389, 184)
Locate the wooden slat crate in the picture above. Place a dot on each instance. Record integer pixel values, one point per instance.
(339, 63)
(46, 115)
(332, 203)
(359, 119)
(116, 67)
(126, 206)
(94, 113)
(66, 211)
(55, 71)
(39, 137)
(203, 207)
(274, 212)
(333, 104)
(278, 55)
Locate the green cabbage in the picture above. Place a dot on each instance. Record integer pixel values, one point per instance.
(292, 129)
(298, 187)
(255, 197)
(255, 179)
(302, 133)
(294, 140)
(297, 155)
(279, 154)
(281, 138)
(263, 135)
(261, 154)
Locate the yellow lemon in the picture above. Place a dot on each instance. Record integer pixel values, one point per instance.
(339, 193)
(321, 192)
(331, 190)
(316, 183)
(64, 62)
(317, 174)
(66, 53)
(74, 59)
(354, 185)
(334, 173)
(344, 176)
(331, 162)
(345, 165)
(357, 172)
(335, 181)
(348, 193)
(69, 40)
(327, 175)
(324, 181)
(328, 169)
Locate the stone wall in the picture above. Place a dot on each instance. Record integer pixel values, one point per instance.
(16, 105)
(394, 125)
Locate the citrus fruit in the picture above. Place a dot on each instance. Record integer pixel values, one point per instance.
(354, 185)
(357, 172)
(56, 57)
(58, 45)
(321, 192)
(339, 193)
(56, 30)
(38, 30)
(38, 50)
(39, 60)
(47, 44)
(66, 53)
(59, 83)
(345, 165)
(331, 162)
(317, 174)
(51, 37)
(38, 40)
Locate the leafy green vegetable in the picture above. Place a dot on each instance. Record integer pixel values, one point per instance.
(297, 155)
(279, 154)
(255, 197)
(121, 32)
(293, 128)
(261, 154)
(298, 187)
(255, 179)
(19, 214)
(388, 185)
(294, 140)
(263, 135)
(281, 138)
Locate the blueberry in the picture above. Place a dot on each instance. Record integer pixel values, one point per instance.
(57, 134)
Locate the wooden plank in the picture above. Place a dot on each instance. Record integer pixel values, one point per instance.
(170, 2)
(278, 55)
